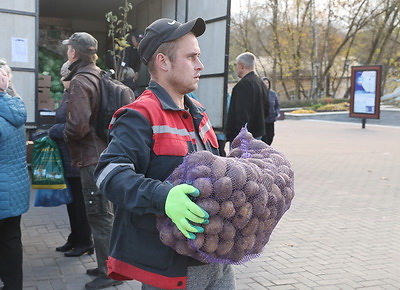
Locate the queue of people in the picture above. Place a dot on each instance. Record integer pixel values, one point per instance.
(118, 188)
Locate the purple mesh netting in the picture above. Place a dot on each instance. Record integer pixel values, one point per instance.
(245, 194)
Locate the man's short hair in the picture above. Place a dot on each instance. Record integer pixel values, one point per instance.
(167, 48)
(247, 59)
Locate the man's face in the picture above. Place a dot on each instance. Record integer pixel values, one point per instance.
(184, 72)
(135, 42)
(239, 69)
(71, 54)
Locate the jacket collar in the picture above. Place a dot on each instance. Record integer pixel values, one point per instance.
(168, 104)
(80, 66)
(249, 74)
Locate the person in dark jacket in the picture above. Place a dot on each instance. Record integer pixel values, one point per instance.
(128, 78)
(14, 185)
(274, 111)
(132, 59)
(249, 104)
(79, 240)
(85, 145)
(149, 138)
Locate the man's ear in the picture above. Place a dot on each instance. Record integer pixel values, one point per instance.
(74, 55)
(163, 62)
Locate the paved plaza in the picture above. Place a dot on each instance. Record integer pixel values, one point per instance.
(341, 232)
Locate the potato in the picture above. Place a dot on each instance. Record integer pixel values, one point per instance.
(204, 185)
(214, 226)
(222, 188)
(210, 244)
(228, 231)
(280, 181)
(218, 168)
(182, 248)
(272, 196)
(197, 243)
(251, 227)
(280, 205)
(238, 198)
(209, 205)
(227, 209)
(167, 236)
(243, 216)
(258, 145)
(249, 241)
(278, 159)
(276, 198)
(199, 158)
(288, 194)
(270, 224)
(236, 255)
(265, 215)
(260, 201)
(237, 174)
(224, 247)
(258, 162)
(267, 178)
(260, 228)
(266, 152)
(198, 172)
(257, 156)
(237, 152)
(273, 213)
(286, 169)
(261, 240)
(250, 188)
(176, 174)
(177, 233)
(253, 172)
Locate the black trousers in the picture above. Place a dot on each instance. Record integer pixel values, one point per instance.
(11, 253)
(270, 133)
(81, 235)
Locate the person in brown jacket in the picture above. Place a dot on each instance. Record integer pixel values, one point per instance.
(85, 145)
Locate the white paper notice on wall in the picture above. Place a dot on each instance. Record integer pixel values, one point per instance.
(19, 49)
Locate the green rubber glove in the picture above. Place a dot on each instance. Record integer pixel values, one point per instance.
(181, 210)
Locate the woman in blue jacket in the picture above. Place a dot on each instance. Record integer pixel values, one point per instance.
(14, 184)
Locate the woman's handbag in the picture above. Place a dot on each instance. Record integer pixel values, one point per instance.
(47, 167)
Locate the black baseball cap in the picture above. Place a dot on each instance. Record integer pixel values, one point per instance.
(83, 42)
(164, 30)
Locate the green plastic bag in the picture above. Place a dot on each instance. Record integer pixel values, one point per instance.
(47, 167)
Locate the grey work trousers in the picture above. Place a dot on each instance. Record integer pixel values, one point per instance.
(209, 276)
(100, 215)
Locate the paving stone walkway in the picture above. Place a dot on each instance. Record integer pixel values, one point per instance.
(342, 231)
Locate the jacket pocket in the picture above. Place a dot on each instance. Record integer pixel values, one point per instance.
(95, 203)
(173, 146)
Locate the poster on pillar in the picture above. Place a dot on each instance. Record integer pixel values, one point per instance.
(365, 91)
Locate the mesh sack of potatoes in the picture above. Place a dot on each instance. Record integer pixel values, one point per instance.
(245, 195)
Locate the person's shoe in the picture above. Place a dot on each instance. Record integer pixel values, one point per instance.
(102, 282)
(65, 248)
(93, 272)
(79, 251)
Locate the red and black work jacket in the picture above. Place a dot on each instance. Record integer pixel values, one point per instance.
(148, 139)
